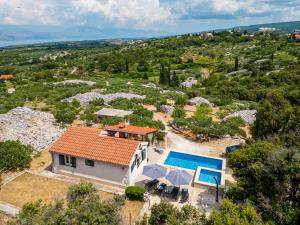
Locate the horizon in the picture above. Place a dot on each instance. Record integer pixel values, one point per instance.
(112, 19)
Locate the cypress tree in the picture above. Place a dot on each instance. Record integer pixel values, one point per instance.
(236, 64)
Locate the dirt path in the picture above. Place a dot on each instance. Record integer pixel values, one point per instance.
(178, 142)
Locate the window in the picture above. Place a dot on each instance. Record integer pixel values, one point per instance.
(68, 160)
(89, 162)
(143, 154)
(133, 165)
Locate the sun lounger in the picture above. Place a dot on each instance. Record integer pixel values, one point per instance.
(184, 194)
(175, 193)
(172, 192)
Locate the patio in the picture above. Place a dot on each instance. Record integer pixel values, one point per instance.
(203, 198)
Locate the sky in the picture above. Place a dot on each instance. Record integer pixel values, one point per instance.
(165, 16)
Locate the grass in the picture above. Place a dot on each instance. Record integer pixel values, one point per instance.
(30, 187)
(3, 218)
(133, 208)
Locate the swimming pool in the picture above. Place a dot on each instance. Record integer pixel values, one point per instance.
(191, 162)
(207, 176)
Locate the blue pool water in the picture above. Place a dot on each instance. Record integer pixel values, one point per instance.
(208, 176)
(191, 162)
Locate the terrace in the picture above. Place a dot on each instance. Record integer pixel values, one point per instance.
(197, 160)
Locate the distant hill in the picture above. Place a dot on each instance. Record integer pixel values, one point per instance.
(11, 35)
(284, 26)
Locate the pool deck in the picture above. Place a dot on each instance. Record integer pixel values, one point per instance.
(203, 197)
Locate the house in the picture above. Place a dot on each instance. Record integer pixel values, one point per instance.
(6, 77)
(107, 112)
(126, 131)
(86, 152)
(295, 35)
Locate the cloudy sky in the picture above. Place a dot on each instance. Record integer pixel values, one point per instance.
(167, 16)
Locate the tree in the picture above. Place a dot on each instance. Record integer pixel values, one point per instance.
(268, 176)
(273, 114)
(236, 63)
(83, 206)
(167, 213)
(66, 112)
(175, 82)
(127, 65)
(231, 213)
(14, 156)
(202, 111)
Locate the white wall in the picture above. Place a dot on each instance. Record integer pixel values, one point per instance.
(102, 170)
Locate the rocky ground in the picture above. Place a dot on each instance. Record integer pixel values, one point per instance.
(30, 127)
(248, 116)
(86, 98)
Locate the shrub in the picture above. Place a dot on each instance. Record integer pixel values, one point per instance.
(135, 193)
(178, 113)
(181, 100)
(14, 156)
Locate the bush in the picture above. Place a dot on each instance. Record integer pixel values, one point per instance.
(178, 113)
(14, 156)
(135, 193)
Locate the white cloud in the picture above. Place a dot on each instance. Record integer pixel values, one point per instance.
(141, 12)
(24, 12)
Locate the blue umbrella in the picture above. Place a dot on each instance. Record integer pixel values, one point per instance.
(154, 171)
(179, 177)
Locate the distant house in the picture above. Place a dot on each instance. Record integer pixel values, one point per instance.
(189, 82)
(84, 151)
(295, 35)
(107, 112)
(6, 77)
(124, 131)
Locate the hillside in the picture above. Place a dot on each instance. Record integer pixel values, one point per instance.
(209, 88)
(286, 27)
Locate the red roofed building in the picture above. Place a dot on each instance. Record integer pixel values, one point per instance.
(124, 131)
(84, 151)
(296, 34)
(6, 77)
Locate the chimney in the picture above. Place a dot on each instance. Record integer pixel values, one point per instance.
(121, 125)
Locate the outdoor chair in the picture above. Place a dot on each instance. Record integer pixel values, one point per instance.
(175, 193)
(184, 194)
(161, 188)
(151, 185)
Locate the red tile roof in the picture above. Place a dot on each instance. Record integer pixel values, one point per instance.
(130, 129)
(86, 143)
(6, 76)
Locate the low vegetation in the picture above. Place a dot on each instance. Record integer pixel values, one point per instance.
(82, 206)
(135, 193)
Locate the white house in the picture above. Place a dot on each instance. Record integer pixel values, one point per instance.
(85, 152)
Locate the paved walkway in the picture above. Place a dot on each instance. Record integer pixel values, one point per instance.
(9, 209)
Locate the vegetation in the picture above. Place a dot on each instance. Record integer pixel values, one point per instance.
(233, 70)
(14, 156)
(167, 213)
(82, 206)
(135, 193)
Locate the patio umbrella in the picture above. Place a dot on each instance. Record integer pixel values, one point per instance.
(154, 171)
(179, 177)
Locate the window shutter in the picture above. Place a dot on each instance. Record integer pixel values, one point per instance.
(61, 160)
(73, 159)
